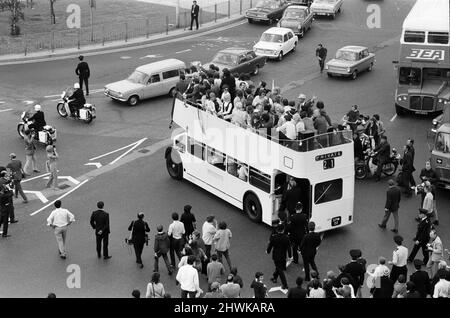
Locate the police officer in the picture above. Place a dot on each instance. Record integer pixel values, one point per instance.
(83, 73)
(6, 206)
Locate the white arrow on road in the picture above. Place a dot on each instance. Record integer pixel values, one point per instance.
(5, 110)
(273, 289)
(97, 164)
(68, 178)
(38, 194)
(133, 146)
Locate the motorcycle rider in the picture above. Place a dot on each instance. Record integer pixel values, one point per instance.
(382, 153)
(375, 129)
(76, 100)
(38, 119)
(352, 117)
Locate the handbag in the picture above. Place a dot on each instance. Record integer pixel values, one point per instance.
(128, 239)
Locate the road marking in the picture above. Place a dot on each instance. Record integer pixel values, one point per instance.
(63, 196)
(34, 178)
(393, 118)
(97, 164)
(98, 90)
(28, 102)
(184, 51)
(125, 57)
(68, 178)
(150, 56)
(38, 194)
(2, 102)
(5, 110)
(137, 143)
(114, 151)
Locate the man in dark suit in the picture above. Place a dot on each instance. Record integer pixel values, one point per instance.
(291, 196)
(321, 54)
(384, 288)
(298, 227)
(355, 270)
(279, 242)
(100, 223)
(422, 237)
(382, 153)
(393, 196)
(420, 279)
(407, 170)
(308, 248)
(139, 236)
(194, 14)
(83, 73)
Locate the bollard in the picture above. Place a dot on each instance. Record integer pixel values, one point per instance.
(25, 48)
(215, 12)
(167, 24)
(240, 7)
(53, 41)
(103, 35)
(229, 9)
(147, 28)
(126, 32)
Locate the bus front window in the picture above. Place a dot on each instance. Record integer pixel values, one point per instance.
(443, 142)
(410, 75)
(436, 74)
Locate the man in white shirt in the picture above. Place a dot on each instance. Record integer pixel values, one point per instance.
(209, 229)
(288, 128)
(176, 231)
(436, 252)
(399, 260)
(187, 277)
(442, 288)
(381, 267)
(59, 220)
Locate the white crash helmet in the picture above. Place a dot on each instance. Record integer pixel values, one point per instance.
(37, 107)
(76, 85)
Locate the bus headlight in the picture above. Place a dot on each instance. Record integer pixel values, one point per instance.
(402, 98)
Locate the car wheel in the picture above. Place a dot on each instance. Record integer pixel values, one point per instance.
(280, 56)
(400, 111)
(252, 207)
(256, 71)
(333, 16)
(250, 21)
(302, 33)
(295, 47)
(172, 92)
(370, 67)
(354, 75)
(133, 100)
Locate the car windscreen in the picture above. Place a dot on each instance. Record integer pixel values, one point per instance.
(267, 4)
(294, 14)
(443, 142)
(225, 58)
(274, 38)
(346, 55)
(137, 77)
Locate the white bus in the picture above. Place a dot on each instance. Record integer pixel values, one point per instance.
(247, 169)
(424, 63)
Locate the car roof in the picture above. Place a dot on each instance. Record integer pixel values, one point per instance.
(444, 128)
(297, 6)
(278, 30)
(235, 50)
(353, 48)
(151, 67)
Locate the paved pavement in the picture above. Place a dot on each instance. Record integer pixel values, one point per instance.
(138, 181)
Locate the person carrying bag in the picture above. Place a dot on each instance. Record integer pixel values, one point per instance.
(138, 236)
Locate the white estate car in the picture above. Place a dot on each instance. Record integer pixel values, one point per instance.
(327, 7)
(275, 43)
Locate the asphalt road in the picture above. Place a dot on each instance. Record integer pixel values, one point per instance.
(139, 182)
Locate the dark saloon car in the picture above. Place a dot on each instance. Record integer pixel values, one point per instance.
(238, 60)
(267, 10)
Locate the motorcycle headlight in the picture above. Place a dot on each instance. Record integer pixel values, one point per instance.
(63, 94)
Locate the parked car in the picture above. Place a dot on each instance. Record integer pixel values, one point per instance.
(301, 2)
(327, 7)
(442, 118)
(349, 61)
(275, 43)
(238, 60)
(150, 80)
(297, 18)
(266, 10)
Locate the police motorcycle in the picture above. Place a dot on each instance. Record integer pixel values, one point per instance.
(367, 166)
(46, 136)
(87, 113)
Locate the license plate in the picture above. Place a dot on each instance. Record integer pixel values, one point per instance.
(256, 19)
(421, 113)
(336, 221)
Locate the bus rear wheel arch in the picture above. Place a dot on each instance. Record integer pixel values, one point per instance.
(173, 164)
(252, 207)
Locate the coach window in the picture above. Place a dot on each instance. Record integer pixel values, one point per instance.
(328, 191)
(438, 37)
(216, 158)
(196, 148)
(259, 179)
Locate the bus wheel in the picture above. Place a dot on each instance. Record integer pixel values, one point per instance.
(173, 164)
(252, 207)
(360, 171)
(399, 110)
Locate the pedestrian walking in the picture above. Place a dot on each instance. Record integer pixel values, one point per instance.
(52, 167)
(215, 270)
(83, 73)
(308, 248)
(393, 197)
(230, 289)
(407, 163)
(436, 251)
(59, 220)
(17, 173)
(6, 195)
(422, 237)
(139, 229)
(195, 9)
(258, 286)
(222, 242)
(161, 248)
(321, 54)
(8, 203)
(100, 223)
(298, 227)
(30, 154)
(421, 279)
(290, 197)
(209, 229)
(189, 221)
(176, 232)
(155, 289)
(215, 291)
(399, 260)
(187, 277)
(279, 243)
(356, 271)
